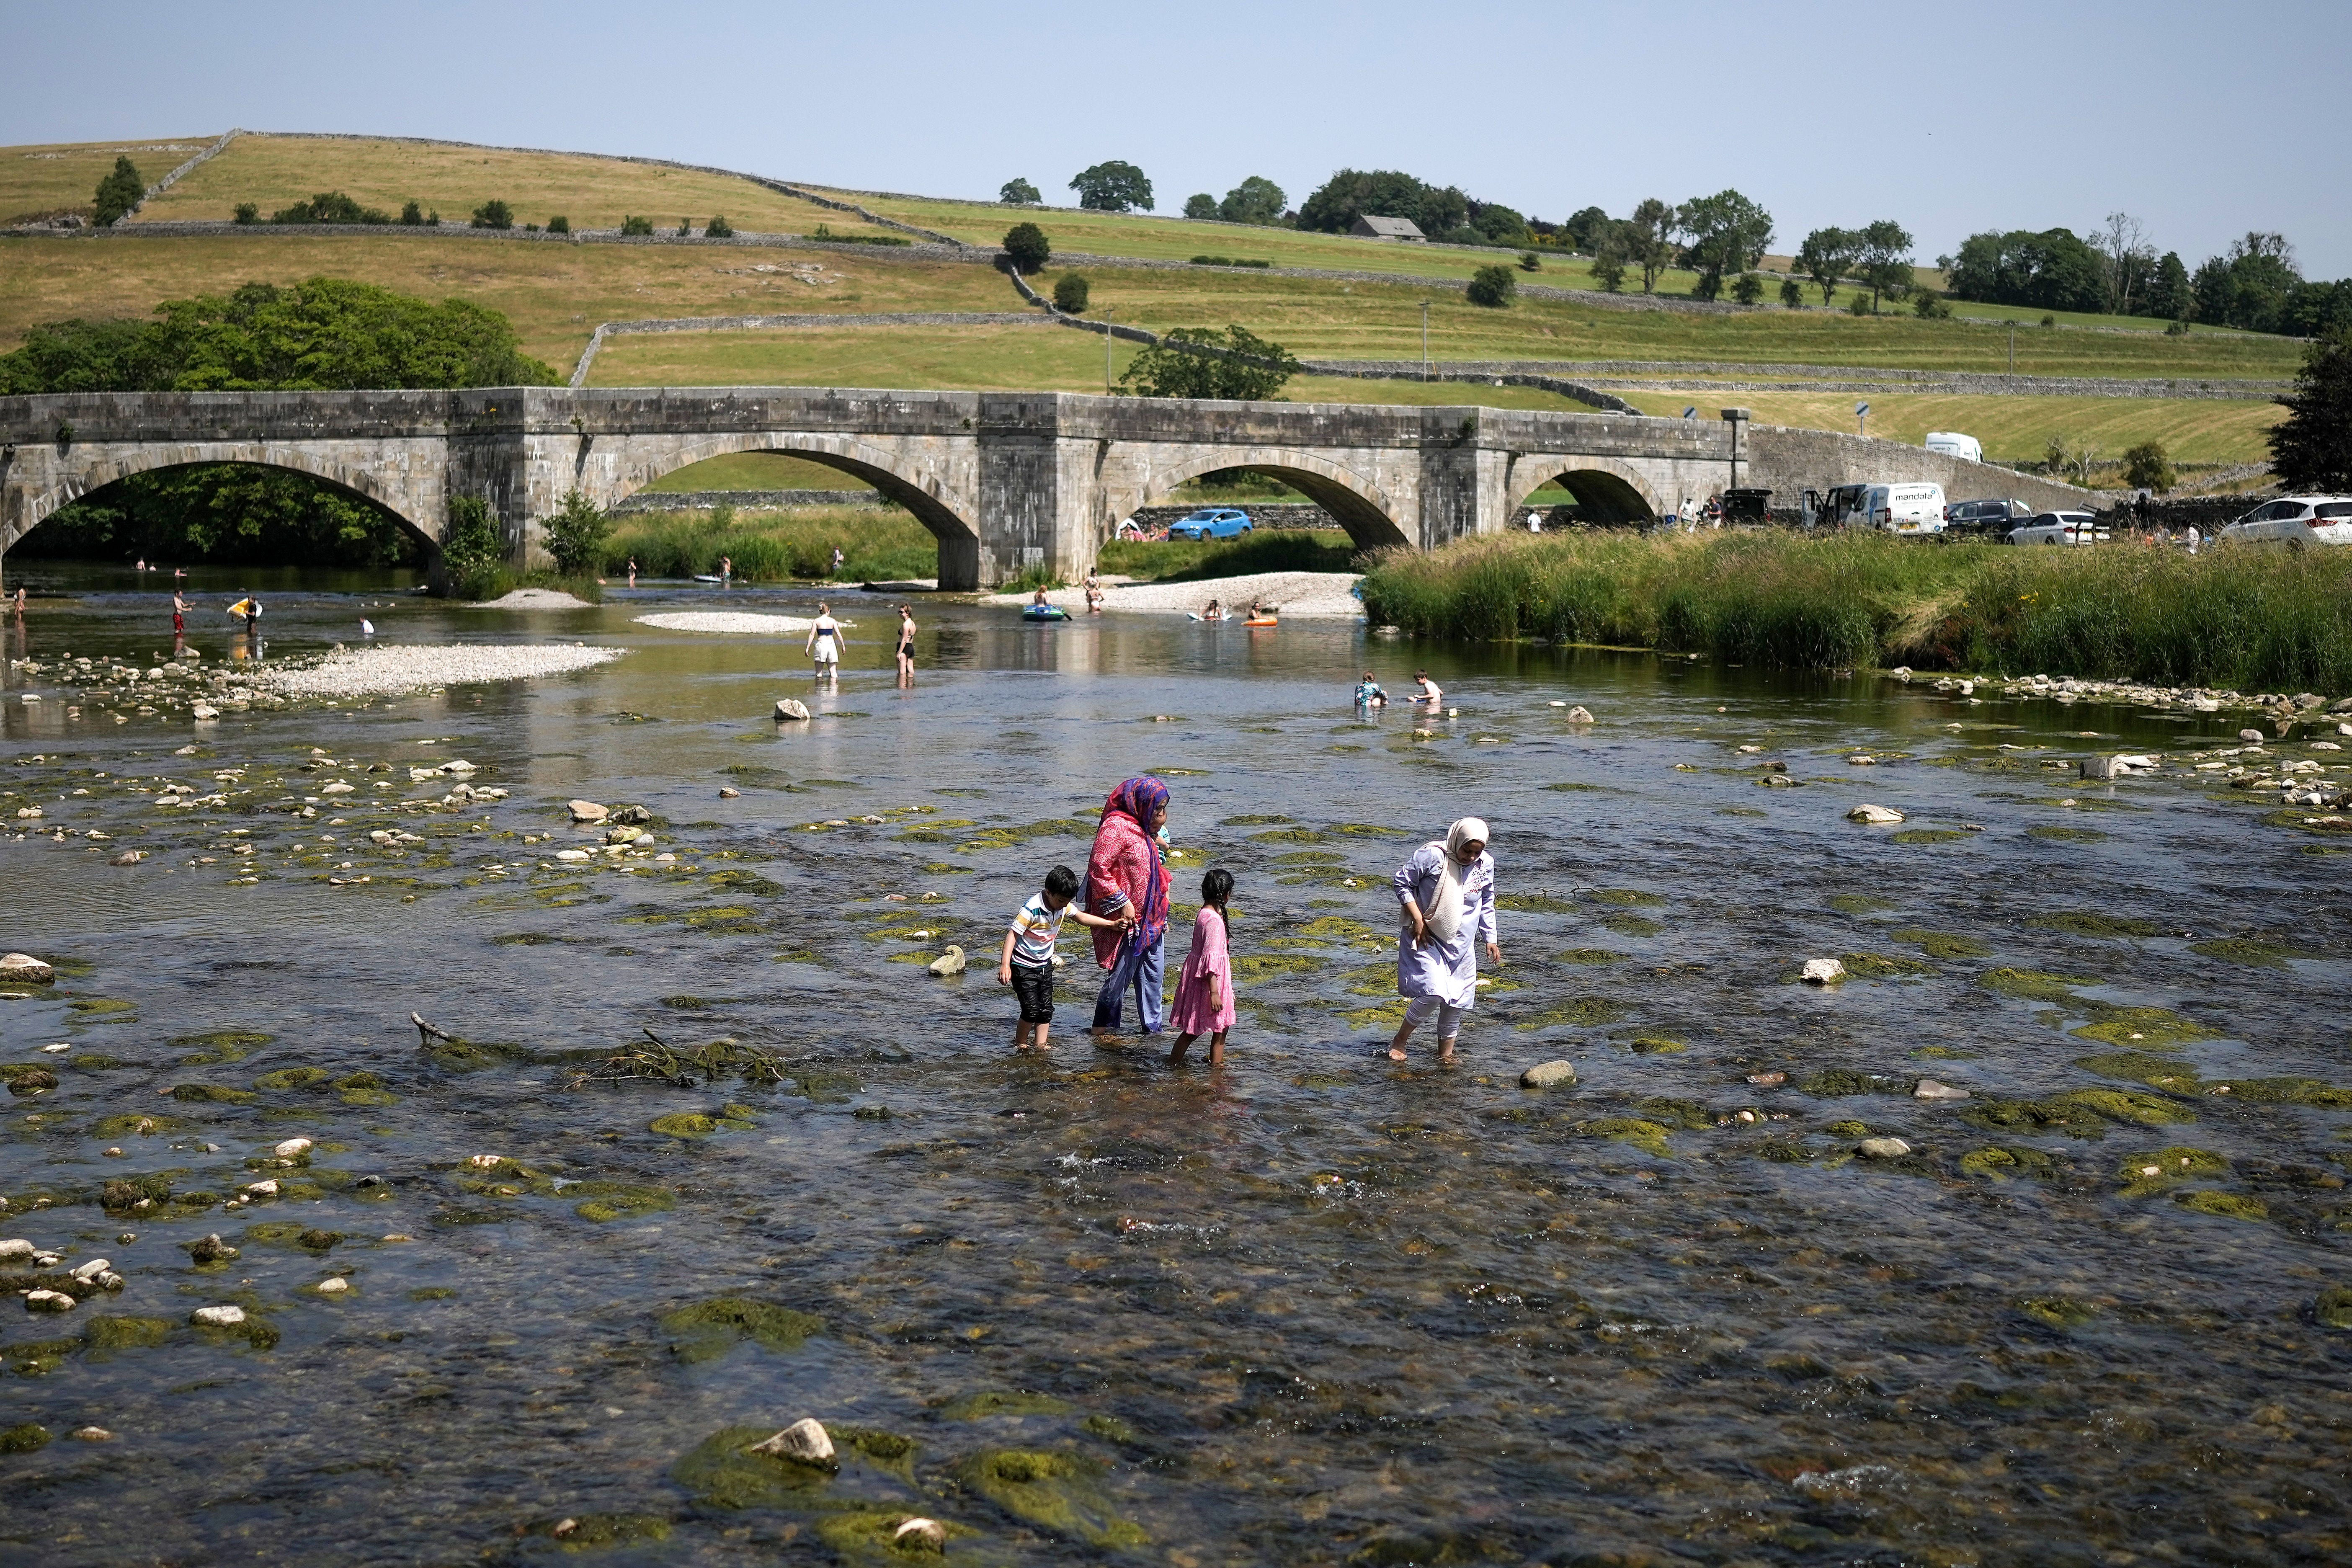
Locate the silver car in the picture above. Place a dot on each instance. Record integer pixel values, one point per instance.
(2060, 528)
(2296, 521)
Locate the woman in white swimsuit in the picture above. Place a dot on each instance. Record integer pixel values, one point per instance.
(824, 644)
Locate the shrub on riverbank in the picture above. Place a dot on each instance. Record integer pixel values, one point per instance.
(2245, 618)
(1193, 560)
(773, 546)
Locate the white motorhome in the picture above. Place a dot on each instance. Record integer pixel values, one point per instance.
(1952, 444)
(1904, 509)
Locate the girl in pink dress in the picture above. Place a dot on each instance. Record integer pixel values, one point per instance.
(1204, 988)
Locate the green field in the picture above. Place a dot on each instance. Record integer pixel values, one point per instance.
(63, 176)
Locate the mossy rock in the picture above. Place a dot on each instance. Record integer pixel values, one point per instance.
(136, 1126)
(2033, 985)
(1632, 925)
(1342, 927)
(2246, 951)
(1655, 1045)
(1109, 1428)
(1685, 1115)
(365, 1098)
(1784, 1151)
(1288, 835)
(2167, 1073)
(431, 1293)
(2036, 1116)
(2333, 1307)
(1947, 1054)
(1882, 966)
(866, 1537)
(220, 1046)
(2142, 1174)
(708, 1330)
(39, 1358)
(608, 1201)
(685, 1124)
(1625, 898)
(1255, 821)
(1589, 955)
(722, 1471)
(1833, 1083)
(1928, 835)
(2121, 1105)
(473, 1055)
(1052, 1491)
(1942, 944)
(1259, 966)
(2000, 1162)
(289, 1233)
(24, 1437)
(2064, 834)
(2153, 1026)
(992, 1402)
(122, 1192)
(1311, 857)
(1647, 1136)
(591, 1531)
(891, 1451)
(1848, 1128)
(2057, 1312)
(110, 1333)
(28, 1078)
(213, 1094)
(1535, 904)
(2228, 1206)
(2090, 922)
(1578, 1012)
(291, 1078)
(1858, 903)
(359, 1081)
(2309, 1091)
(828, 1088)
(103, 1006)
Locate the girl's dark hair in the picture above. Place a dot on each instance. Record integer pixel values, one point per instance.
(1216, 887)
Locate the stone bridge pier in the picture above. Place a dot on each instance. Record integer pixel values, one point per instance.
(1008, 483)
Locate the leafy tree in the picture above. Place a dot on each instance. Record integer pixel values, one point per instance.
(1200, 205)
(230, 512)
(1649, 240)
(2051, 270)
(1256, 200)
(719, 228)
(248, 213)
(2121, 244)
(493, 214)
(2167, 292)
(472, 548)
(1747, 289)
(1724, 233)
(329, 206)
(1531, 262)
(1351, 193)
(1114, 186)
(685, 227)
(1792, 293)
(1886, 260)
(1825, 255)
(325, 334)
(120, 193)
(2315, 310)
(413, 216)
(1019, 193)
(634, 224)
(1070, 293)
(2145, 467)
(1251, 368)
(1499, 224)
(1493, 287)
(2311, 449)
(576, 535)
(1584, 229)
(1027, 244)
(1931, 307)
(1609, 251)
(2250, 287)
(559, 223)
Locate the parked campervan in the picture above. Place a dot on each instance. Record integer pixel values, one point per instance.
(1952, 444)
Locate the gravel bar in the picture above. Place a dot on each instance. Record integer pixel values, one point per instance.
(732, 623)
(1323, 596)
(383, 671)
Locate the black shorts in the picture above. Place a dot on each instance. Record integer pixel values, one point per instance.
(1033, 984)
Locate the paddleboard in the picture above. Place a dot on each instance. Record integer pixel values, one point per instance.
(1044, 613)
(1261, 621)
(700, 578)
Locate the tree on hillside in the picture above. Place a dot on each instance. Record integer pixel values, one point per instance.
(120, 192)
(493, 214)
(1585, 228)
(1027, 244)
(1070, 293)
(1493, 287)
(2311, 449)
(1648, 237)
(1019, 193)
(1351, 193)
(2122, 243)
(2147, 467)
(2168, 293)
(322, 334)
(330, 207)
(1500, 225)
(2315, 309)
(1825, 255)
(2051, 270)
(1250, 368)
(1200, 205)
(2250, 285)
(1885, 257)
(1115, 186)
(1723, 233)
(1256, 200)
(1792, 293)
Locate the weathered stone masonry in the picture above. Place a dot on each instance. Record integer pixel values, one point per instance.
(1007, 481)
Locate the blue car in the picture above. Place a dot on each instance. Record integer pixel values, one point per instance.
(1211, 522)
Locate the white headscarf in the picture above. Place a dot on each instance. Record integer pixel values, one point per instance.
(1445, 920)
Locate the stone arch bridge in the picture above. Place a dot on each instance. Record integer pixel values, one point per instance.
(1007, 481)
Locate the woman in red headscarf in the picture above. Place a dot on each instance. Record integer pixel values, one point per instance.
(1124, 873)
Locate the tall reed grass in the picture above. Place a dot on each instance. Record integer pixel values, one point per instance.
(775, 545)
(1193, 560)
(2245, 618)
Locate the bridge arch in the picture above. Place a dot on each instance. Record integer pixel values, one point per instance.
(90, 477)
(1606, 489)
(1357, 504)
(921, 491)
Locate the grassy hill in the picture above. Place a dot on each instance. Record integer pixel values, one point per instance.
(557, 293)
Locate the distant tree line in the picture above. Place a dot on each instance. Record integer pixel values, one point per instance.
(2253, 285)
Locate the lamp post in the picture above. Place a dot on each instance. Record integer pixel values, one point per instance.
(1425, 339)
(1107, 337)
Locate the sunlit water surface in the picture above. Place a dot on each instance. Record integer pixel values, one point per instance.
(1310, 1309)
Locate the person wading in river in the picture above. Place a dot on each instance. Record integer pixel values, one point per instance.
(1445, 895)
(1124, 874)
(824, 644)
(906, 645)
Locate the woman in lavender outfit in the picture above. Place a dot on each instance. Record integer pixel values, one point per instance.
(1445, 895)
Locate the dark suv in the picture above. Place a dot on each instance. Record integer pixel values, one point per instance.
(1988, 518)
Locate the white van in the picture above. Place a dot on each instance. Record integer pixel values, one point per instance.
(1952, 444)
(1915, 509)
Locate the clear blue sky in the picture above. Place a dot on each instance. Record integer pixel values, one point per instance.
(2202, 121)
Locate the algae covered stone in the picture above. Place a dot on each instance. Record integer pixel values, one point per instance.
(1051, 1489)
(1549, 1074)
(998, 1402)
(707, 1329)
(2229, 1205)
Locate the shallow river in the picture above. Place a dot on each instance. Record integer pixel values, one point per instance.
(1308, 1309)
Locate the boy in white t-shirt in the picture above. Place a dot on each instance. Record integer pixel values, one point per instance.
(1027, 963)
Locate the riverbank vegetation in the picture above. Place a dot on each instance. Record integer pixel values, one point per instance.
(773, 544)
(2242, 618)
